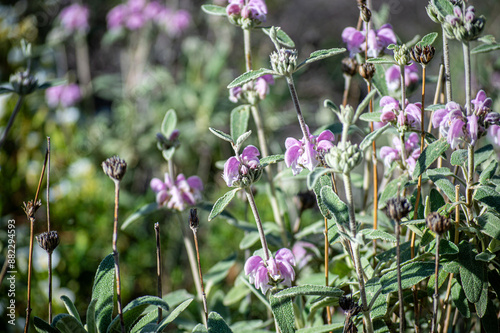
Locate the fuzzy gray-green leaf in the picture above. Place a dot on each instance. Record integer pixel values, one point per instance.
(459, 157)
(459, 299)
(371, 116)
(382, 61)
(169, 123)
(282, 37)
(172, 315)
(485, 48)
(214, 10)
(143, 211)
(471, 272)
(490, 225)
(429, 155)
(70, 307)
(378, 234)
(283, 313)
(239, 121)
(488, 172)
(221, 135)
(42, 326)
(70, 324)
(310, 290)
(324, 180)
(322, 54)
(488, 196)
(216, 324)
(249, 76)
(367, 141)
(428, 39)
(221, 203)
(335, 205)
(411, 274)
(271, 159)
(104, 290)
(315, 175)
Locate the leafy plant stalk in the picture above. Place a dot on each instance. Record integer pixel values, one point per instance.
(158, 268)
(436, 288)
(49, 254)
(262, 235)
(17, 107)
(447, 72)
(116, 256)
(470, 148)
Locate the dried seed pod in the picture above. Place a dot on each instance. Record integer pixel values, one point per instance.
(365, 13)
(194, 222)
(48, 241)
(397, 208)
(30, 208)
(437, 223)
(367, 70)
(114, 167)
(349, 66)
(422, 55)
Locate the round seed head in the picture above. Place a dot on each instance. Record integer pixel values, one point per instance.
(114, 167)
(437, 223)
(349, 66)
(31, 207)
(367, 70)
(48, 241)
(397, 208)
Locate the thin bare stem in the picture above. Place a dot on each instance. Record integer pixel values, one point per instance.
(375, 175)
(248, 48)
(347, 85)
(468, 96)
(17, 107)
(295, 98)
(447, 72)
(400, 288)
(262, 235)
(204, 296)
(49, 253)
(158, 268)
(436, 288)
(116, 257)
(327, 260)
(439, 88)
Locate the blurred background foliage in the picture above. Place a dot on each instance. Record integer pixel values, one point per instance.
(187, 72)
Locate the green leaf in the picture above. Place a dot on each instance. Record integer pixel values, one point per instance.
(103, 290)
(482, 154)
(382, 61)
(242, 138)
(42, 326)
(321, 54)
(377, 234)
(489, 323)
(271, 159)
(442, 183)
(143, 211)
(435, 107)
(429, 155)
(391, 190)
(367, 141)
(168, 153)
(488, 173)
(216, 324)
(235, 294)
(485, 48)
(249, 240)
(487, 39)
(221, 135)
(214, 10)
(411, 274)
(91, 324)
(324, 180)
(70, 324)
(249, 76)
(169, 123)
(310, 290)
(334, 328)
(428, 39)
(337, 207)
(239, 121)
(485, 256)
(482, 304)
(444, 7)
(283, 38)
(220, 270)
(459, 299)
(200, 328)
(133, 310)
(471, 272)
(70, 307)
(459, 157)
(315, 175)
(371, 116)
(149, 319)
(6, 90)
(221, 203)
(379, 307)
(379, 81)
(490, 225)
(488, 196)
(283, 313)
(172, 315)
(364, 104)
(445, 247)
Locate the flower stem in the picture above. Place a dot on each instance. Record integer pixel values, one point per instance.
(49, 257)
(295, 98)
(203, 295)
(158, 268)
(436, 288)
(375, 175)
(466, 49)
(248, 48)
(116, 257)
(347, 85)
(11, 120)
(262, 235)
(447, 72)
(470, 179)
(356, 252)
(403, 109)
(327, 260)
(400, 288)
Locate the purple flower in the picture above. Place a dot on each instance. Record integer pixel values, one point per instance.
(454, 126)
(302, 256)
(265, 275)
(303, 153)
(393, 154)
(242, 169)
(75, 18)
(494, 133)
(117, 16)
(393, 76)
(391, 111)
(262, 85)
(255, 10)
(179, 194)
(64, 95)
(377, 40)
(482, 104)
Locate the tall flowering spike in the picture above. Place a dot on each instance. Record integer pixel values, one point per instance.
(306, 153)
(264, 275)
(243, 170)
(177, 194)
(115, 168)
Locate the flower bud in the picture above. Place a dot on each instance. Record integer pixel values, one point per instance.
(365, 13)
(397, 208)
(343, 158)
(422, 55)
(401, 55)
(349, 66)
(437, 223)
(48, 241)
(114, 167)
(284, 62)
(367, 70)
(23, 83)
(194, 222)
(31, 207)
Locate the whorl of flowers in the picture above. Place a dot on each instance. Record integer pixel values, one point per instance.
(392, 113)
(243, 170)
(177, 194)
(463, 24)
(378, 40)
(306, 153)
(247, 13)
(251, 90)
(266, 274)
(393, 154)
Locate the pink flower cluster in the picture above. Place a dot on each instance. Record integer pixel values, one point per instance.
(393, 76)
(179, 194)
(377, 40)
(266, 274)
(248, 9)
(134, 14)
(63, 95)
(391, 112)
(260, 86)
(241, 166)
(393, 154)
(304, 153)
(75, 18)
(457, 127)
